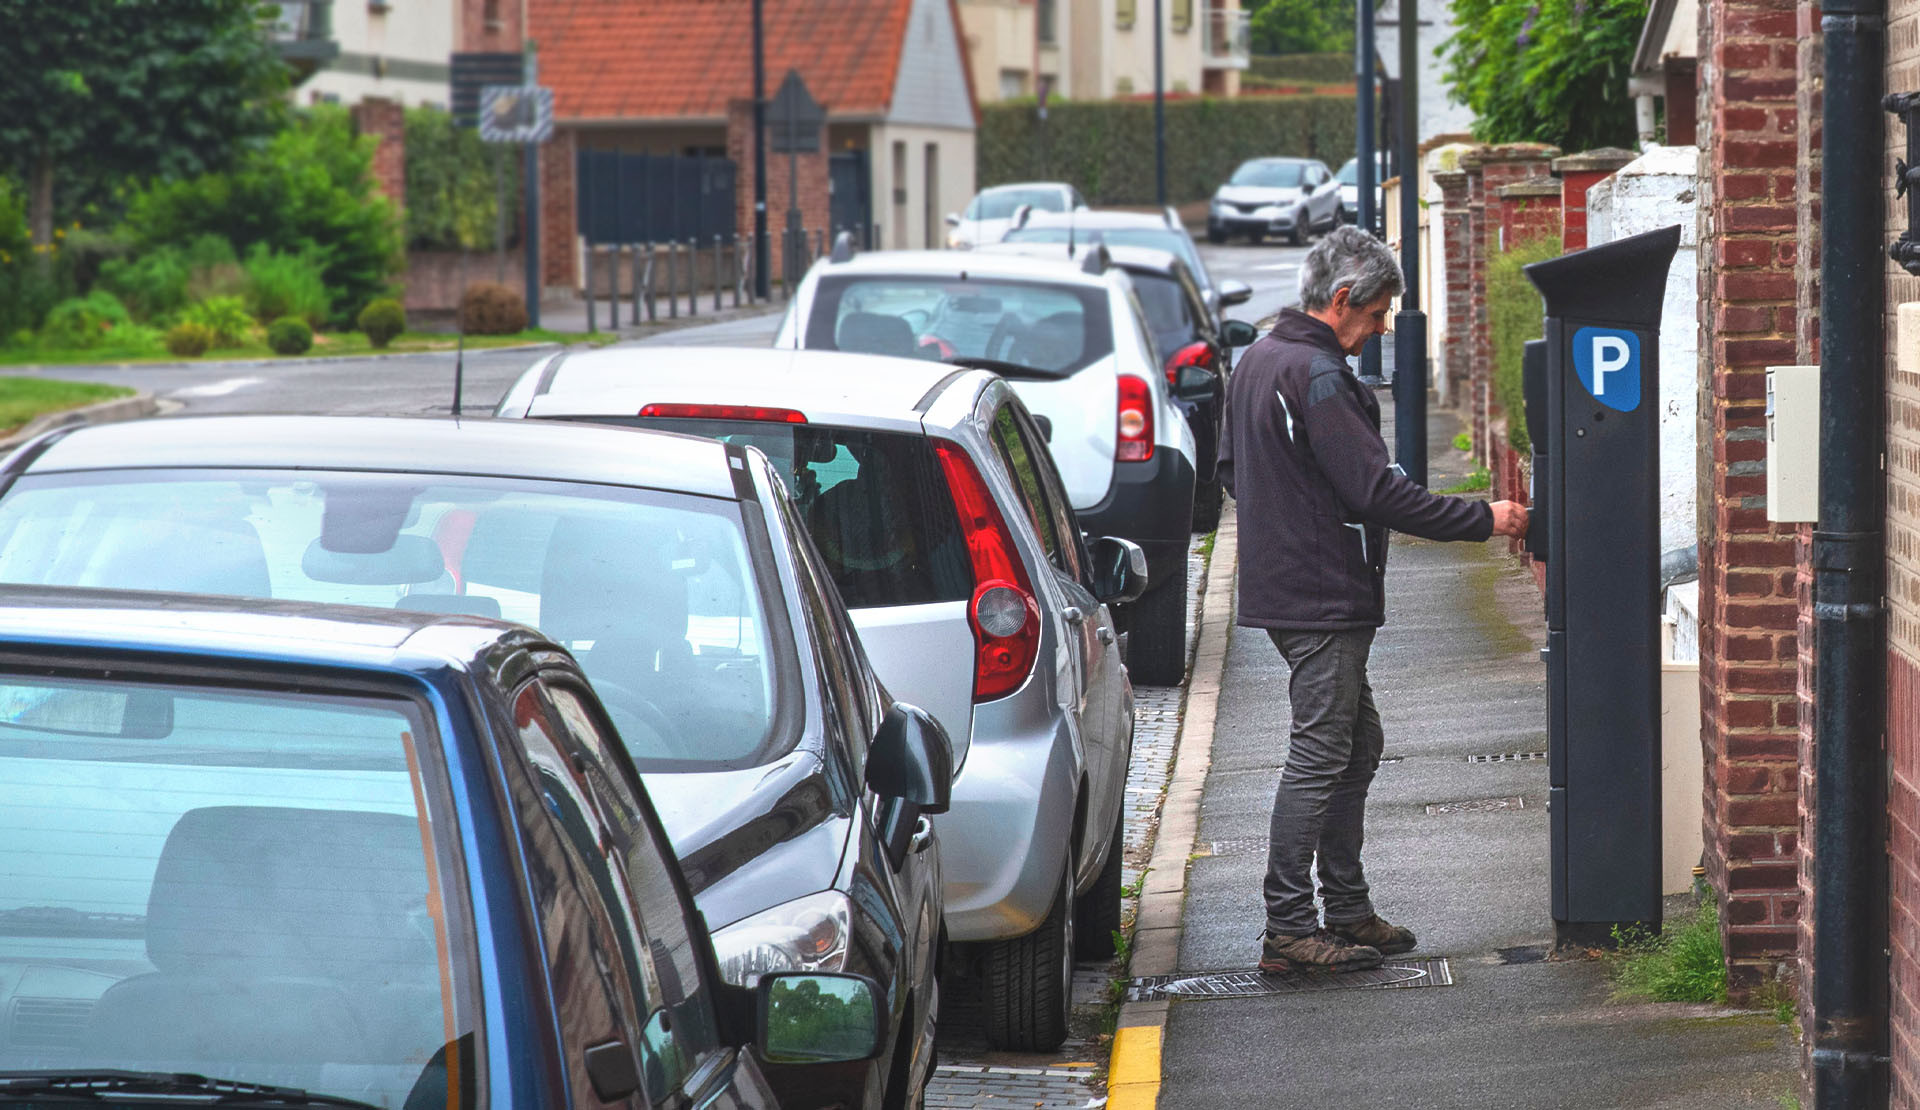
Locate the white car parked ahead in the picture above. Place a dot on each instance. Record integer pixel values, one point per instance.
(990, 212)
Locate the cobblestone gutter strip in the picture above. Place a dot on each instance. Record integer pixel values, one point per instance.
(1133, 1077)
(106, 412)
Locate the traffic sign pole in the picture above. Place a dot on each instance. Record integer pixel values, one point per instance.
(531, 243)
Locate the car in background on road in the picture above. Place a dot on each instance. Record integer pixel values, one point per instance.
(987, 215)
(669, 566)
(1074, 342)
(1186, 335)
(1294, 197)
(1349, 179)
(289, 854)
(942, 521)
(1130, 229)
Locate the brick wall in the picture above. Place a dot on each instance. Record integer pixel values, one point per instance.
(1748, 121)
(1528, 210)
(1455, 225)
(559, 235)
(814, 181)
(1487, 169)
(1806, 282)
(493, 25)
(386, 120)
(1577, 174)
(1903, 594)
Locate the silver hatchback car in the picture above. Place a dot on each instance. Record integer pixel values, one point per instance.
(929, 491)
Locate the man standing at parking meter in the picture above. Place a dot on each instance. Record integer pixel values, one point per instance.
(1303, 457)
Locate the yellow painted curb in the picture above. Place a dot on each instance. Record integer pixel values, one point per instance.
(1133, 1077)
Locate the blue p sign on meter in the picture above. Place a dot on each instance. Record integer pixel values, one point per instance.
(1608, 362)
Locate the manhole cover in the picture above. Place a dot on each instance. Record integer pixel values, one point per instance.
(1400, 974)
(1508, 757)
(1474, 805)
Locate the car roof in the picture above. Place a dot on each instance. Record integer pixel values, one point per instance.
(828, 387)
(1128, 258)
(1060, 185)
(426, 445)
(1280, 159)
(1097, 218)
(252, 629)
(935, 263)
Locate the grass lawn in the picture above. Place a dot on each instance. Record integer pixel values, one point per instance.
(325, 344)
(22, 399)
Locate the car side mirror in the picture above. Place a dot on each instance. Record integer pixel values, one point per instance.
(1234, 292)
(912, 759)
(818, 1019)
(1119, 569)
(953, 219)
(1194, 384)
(1238, 333)
(1045, 425)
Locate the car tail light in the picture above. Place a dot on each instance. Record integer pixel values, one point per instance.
(1136, 420)
(724, 412)
(1198, 353)
(1002, 612)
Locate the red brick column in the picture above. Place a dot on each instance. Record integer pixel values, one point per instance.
(1749, 613)
(1529, 210)
(1577, 174)
(815, 184)
(559, 224)
(1488, 169)
(1479, 381)
(492, 25)
(1456, 235)
(1806, 268)
(386, 121)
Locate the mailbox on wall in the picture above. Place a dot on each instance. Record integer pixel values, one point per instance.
(1596, 433)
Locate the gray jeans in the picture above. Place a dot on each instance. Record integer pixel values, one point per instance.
(1321, 805)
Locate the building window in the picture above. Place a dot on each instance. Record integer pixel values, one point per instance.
(1182, 15)
(1123, 12)
(1043, 23)
(1013, 83)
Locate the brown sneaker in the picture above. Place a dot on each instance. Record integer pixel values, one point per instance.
(1375, 932)
(1317, 951)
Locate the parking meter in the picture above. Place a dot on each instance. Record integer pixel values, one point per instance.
(1533, 384)
(1602, 544)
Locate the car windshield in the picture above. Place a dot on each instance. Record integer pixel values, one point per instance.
(1156, 238)
(247, 883)
(1350, 173)
(654, 592)
(998, 204)
(1270, 175)
(1049, 330)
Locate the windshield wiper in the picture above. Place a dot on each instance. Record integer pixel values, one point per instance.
(1001, 367)
(179, 1086)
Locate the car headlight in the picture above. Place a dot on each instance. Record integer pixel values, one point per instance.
(806, 934)
(957, 241)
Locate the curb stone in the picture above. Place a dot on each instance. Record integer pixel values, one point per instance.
(103, 412)
(1133, 1074)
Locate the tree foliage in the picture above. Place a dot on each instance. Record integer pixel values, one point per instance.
(1550, 71)
(1302, 26)
(455, 184)
(100, 91)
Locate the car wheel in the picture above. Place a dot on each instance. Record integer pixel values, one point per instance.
(1157, 634)
(1208, 501)
(1216, 235)
(1298, 236)
(1028, 981)
(1098, 915)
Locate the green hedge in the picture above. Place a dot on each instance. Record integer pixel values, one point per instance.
(455, 184)
(1303, 69)
(1513, 317)
(1106, 147)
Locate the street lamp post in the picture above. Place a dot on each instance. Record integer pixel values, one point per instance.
(1159, 110)
(1410, 324)
(762, 254)
(1363, 67)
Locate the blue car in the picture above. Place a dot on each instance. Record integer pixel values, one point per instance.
(283, 853)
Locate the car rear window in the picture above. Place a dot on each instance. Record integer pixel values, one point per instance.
(998, 204)
(249, 884)
(1176, 243)
(876, 504)
(1042, 329)
(1166, 306)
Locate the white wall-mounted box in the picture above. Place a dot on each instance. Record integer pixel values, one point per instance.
(1793, 444)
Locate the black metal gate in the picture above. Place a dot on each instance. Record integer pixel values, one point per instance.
(652, 198)
(852, 208)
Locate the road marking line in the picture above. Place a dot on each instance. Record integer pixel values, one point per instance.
(216, 389)
(1133, 1079)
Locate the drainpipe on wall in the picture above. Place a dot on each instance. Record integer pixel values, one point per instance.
(1850, 937)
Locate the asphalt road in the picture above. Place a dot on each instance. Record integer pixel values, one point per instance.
(420, 384)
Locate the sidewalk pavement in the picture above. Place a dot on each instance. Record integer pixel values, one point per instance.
(570, 314)
(1504, 1022)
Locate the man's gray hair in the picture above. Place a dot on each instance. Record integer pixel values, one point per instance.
(1349, 259)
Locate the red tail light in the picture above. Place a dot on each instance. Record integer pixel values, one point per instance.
(724, 412)
(1136, 420)
(1198, 353)
(1002, 612)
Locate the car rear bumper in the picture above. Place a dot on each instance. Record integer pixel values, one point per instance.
(1150, 503)
(1240, 222)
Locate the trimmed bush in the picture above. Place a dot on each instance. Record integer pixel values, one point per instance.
(1302, 69)
(489, 308)
(289, 335)
(1106, 146)
(1513, 317)
(189, 340)
(455, 185)
(225, 318)
(83, 323)
(382, 320)
(286, 285)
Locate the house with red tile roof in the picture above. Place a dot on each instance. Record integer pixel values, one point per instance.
(674, 79)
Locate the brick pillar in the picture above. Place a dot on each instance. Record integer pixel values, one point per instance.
(1479, 380)
(491, 25)
(1748, 121)
(386, 121)
(1529, 210)
(1577, 174)
(815, 185)
(1455, 225)
(1806, 271)
(559, 225)
(1488, 168)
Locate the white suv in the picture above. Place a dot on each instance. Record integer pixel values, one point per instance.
(1073, 340)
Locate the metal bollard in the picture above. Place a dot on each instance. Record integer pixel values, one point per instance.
(693, 275)
(739, 272)
(634, 318)
(716, 273)
(819, 244)
(613, 289)
(590, 327)
(646, 282)
(673, 282)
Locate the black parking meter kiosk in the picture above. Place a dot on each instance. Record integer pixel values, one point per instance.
(1599, 488)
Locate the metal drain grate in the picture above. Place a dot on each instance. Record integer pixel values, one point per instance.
(1508, 757)
(1400, 975)
(1240, 845)
(1474, 805)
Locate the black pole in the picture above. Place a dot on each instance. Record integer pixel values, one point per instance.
(531, 200)
(1409, 324)
(762, 249)
(1363, 67)
(1159, 110)
(1850, 928)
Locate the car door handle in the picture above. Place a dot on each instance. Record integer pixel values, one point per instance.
(922, 837)
(1073, 614)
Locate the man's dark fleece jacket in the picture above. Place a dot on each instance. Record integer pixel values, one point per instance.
(1303, 457)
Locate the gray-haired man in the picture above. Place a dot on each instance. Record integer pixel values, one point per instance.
(1303, 457)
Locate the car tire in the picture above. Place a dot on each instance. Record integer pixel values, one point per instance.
(1097, 917)
(1208, 502)
(1255, 237)
(1157, 633)
(1028, 981)
(1298, 236)
(1216, 235)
